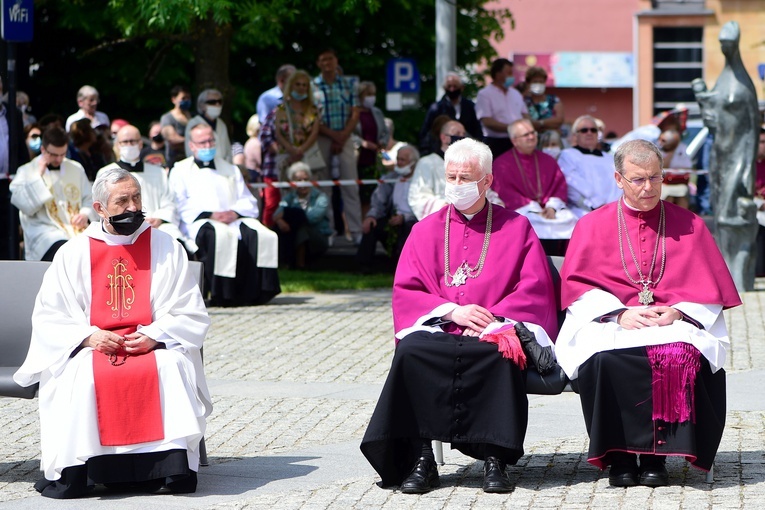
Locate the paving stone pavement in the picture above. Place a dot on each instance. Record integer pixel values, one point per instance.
(294, 384)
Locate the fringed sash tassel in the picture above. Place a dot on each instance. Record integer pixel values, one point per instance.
(674, 367)
(508, 345)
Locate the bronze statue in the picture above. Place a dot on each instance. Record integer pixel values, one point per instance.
(730, 112)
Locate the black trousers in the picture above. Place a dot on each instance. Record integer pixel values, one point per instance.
(452, 388)
(617, 402)
(252, 285)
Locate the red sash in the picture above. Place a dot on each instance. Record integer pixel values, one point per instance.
(127, 394)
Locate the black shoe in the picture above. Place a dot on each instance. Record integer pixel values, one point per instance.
(653, 472)
(422, 479)
(495, 479)
(624, 470)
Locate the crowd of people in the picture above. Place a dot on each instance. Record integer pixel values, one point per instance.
(548, 169)
(474, 306)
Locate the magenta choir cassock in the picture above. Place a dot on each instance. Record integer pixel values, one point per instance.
(619, 372)
(446, 386)
(528, 183)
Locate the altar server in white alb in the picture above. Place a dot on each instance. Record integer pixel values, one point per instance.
(589, 171)
(118, 327)
(157, 198)
(52, 194)
(219, 214)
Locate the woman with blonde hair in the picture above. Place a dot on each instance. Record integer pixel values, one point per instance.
(296, 125)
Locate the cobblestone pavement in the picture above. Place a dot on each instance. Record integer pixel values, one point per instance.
(295, 382)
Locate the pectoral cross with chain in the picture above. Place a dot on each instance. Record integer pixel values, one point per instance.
(645, 296)
(459, 277)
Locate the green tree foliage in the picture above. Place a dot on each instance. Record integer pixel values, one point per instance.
(133, 51)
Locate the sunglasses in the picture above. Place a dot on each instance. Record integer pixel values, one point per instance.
(588, 130)
(214, 101)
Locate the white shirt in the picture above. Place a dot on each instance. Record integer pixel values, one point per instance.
(99, 119)
(590, 180)
(502, 106)
(428, 184)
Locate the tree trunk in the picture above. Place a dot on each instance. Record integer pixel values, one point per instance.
(211, 59)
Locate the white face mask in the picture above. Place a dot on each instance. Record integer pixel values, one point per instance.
(213, 112)
(402, 170)
(537, 88)
(130, 153)
(552, 151)
(463, 196)
(369, 101)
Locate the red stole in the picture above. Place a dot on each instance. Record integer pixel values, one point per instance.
(127, 394)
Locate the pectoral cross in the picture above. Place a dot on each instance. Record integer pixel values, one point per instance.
(459, 277)
(645, 296)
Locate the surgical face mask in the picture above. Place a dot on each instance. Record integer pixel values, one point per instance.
(455, 138)
(206, 154)
(463, 196)
(402, 170)
(509, 81)
(35, 144)
(453, 94)
(185, 104)
(130, 153)
(552, 151)
(158, 138)
(127, 223)
(369, 101)
(298, 96)
(537, 88)
(213, 112)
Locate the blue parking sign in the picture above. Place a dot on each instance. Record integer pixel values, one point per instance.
(18, 20)
(402, 75)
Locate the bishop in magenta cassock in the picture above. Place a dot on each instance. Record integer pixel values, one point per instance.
(468, 273)
(531, 183)
(644, 337)
(116, 346)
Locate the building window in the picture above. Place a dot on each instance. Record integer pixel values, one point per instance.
(677, 60)
(679, 5)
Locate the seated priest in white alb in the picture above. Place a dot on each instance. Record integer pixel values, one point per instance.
(117, 334)
(52, 194)
(219, 214)
(156, 196)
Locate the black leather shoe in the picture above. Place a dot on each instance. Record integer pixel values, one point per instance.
(624, 470)
(422, 479)
(653, 472)
(495, 479)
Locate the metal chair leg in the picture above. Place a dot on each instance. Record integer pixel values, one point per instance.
(438, 452)
(711, 474)
(203, 453)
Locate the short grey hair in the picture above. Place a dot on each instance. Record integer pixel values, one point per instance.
(86, 91)
(452, 74)
(412, 151)
(637, 152)
(202, 98)
(469, 152)
(108, 178)
(284, 72)
(582, 118)
(296, 167)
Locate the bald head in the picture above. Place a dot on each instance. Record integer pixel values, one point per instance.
(129, 135)
(450, 129)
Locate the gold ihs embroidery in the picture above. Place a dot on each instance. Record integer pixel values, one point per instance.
(121, 292)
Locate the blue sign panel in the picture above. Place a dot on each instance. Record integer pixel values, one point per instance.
(18, 22)
(402, 75)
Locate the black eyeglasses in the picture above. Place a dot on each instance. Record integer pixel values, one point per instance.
(588, 130)
(214, 101)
